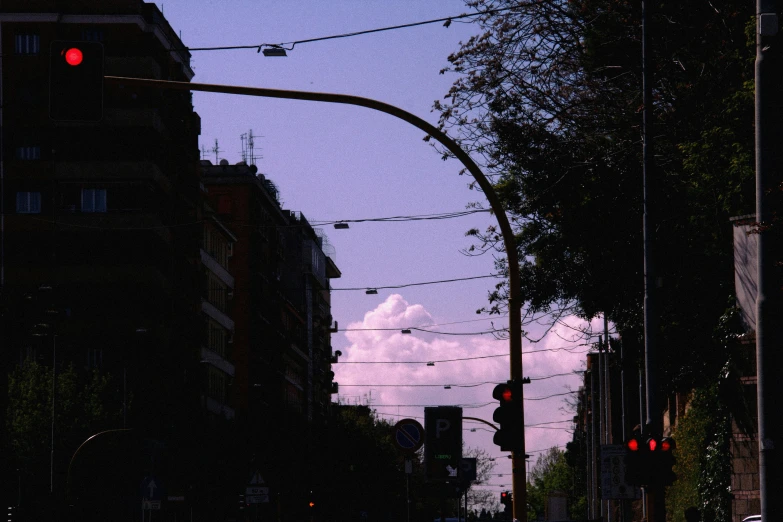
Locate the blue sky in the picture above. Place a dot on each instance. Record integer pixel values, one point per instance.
(335, 162)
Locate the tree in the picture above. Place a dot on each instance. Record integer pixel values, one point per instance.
(549, 97)
(552, 472)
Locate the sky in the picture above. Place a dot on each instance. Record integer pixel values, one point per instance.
(339, 162)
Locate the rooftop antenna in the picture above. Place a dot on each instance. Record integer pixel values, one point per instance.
(216, 149)
(242, 138)
(204, 152)
(251, 149)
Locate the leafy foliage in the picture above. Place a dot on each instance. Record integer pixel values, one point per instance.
(82, 406)
(549, 98)
(703, 460)
(552, 472)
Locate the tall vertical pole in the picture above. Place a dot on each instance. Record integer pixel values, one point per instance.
(54, 389)
(594, 453)
(601, 418)
(656, 504)
(769, 111)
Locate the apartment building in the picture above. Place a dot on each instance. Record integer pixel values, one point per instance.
(281, 309)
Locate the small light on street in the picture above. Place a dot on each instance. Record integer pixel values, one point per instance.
(371, 291)
(274, 51)
(448, 387)
(406, 331)
(341, 225)
(430, 363)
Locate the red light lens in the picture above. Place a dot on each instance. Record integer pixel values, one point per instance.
(73, 56)
(633, 445)
(666, 445)
(652, 443)
(507, 395)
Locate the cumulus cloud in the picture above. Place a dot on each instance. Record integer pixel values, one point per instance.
(388, 370)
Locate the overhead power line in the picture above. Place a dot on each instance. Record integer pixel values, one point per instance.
(563, 348)
(284, 45)
(464, 385)
(245, 223)
(406, 285)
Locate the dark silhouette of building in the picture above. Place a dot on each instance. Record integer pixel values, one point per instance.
(102, 261)
(281, 340)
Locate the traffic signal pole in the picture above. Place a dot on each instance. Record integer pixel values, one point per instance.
(769, 114)
(656, 506)
(509, 240)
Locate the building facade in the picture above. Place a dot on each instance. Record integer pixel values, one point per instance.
(281, 344)
(104, 267)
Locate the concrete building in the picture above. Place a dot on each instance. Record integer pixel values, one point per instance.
(105, 260)
(282, 311)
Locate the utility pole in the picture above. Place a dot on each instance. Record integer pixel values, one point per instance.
(769, 114)
(656, 506)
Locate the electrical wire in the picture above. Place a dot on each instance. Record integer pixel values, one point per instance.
(564, 348)
(406, 285)
(466, 385)
(447, 21)
(248, 223)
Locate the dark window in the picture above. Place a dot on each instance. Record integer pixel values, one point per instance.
(28, 202)
(28, 153)
(27, 44)
(92, 34)
(93, 200)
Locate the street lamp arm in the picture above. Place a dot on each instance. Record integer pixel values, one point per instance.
(509, 240)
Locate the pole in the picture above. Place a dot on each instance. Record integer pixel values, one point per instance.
(594, 453)
(656, 504)
(768, 300)
(509, 239)
(54, 383)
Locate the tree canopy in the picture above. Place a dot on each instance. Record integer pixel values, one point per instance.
(549, 98)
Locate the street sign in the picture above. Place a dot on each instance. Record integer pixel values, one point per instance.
(151, 488)
(467, 469)
(613, 472)
(408, 435)
(149, 505)
(443, 448)
(256, 478)
(257, 495)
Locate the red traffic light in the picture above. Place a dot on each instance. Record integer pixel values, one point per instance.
(505, 392)
(667, 444)
(652, 444)
(73, 56)
(632, 444)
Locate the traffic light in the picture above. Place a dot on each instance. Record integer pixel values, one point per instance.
(75, 81)
(666, 461)
(649, 461)
(508, 415)
(637, 461)
(507, 499)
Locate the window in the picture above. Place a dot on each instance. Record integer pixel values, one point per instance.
(28, 202)
(27, 44)
(28, 153)
(92, 35)
(93, 200)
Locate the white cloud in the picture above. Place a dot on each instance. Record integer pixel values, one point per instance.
(402, 361)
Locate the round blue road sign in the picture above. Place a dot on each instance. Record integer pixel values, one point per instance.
(408, 435)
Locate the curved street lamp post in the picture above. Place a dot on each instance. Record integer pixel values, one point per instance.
(514, 303)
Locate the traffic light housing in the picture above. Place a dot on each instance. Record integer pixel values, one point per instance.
(666, 461)
(637, 461)
(75, 81)
(649, 461)
(507, 499)
(508, 415)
